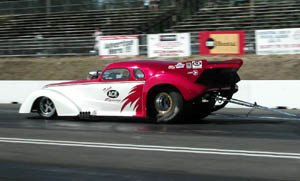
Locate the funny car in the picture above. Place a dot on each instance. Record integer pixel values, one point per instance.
(161, 90)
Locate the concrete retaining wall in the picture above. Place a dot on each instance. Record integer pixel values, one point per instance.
(17, 91)
(271, 93)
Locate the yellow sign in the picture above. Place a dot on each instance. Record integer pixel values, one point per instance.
(225, 43)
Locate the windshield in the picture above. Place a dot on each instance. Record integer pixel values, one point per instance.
(116, 74)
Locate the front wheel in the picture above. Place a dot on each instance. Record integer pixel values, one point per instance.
(166, 105)
(46, 108)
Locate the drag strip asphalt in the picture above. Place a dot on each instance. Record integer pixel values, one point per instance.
(154, 148)
(228, 145)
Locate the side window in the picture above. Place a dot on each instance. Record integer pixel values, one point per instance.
(138, 73)
(116, 74)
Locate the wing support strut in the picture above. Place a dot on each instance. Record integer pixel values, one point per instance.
(255, 106)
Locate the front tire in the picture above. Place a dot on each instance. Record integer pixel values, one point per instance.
(46, 108)
(166, 105)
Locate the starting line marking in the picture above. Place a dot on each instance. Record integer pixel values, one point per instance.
(246, 153)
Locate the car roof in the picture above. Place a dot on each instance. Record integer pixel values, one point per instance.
(141, 64)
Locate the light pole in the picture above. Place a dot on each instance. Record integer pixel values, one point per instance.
(48, 6)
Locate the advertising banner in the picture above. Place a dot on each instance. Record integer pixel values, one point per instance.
(222, 43)
(118, 46)
(278, 41)
(169, 45)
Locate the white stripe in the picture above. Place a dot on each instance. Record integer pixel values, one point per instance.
(155, 148)
(87, 83)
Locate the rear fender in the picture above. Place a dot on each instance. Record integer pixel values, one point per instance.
(186, 87)
(63, 105)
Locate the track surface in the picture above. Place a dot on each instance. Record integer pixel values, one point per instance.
(225, 146)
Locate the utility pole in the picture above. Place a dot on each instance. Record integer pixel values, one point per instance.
(48, 6)
(252, 7)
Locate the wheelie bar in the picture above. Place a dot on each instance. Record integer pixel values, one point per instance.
(256, 106)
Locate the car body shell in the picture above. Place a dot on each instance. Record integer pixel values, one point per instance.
(128, 97)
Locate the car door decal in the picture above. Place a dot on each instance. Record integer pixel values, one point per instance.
(135, 96)
(112, 94)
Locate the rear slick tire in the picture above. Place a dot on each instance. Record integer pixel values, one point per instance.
(167, 106)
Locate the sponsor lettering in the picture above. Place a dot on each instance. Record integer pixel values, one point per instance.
(194, 72)
(171, 67)
(221, 43)
(168, 38)
(179, 66)
(278, 41)
(188, 65)
(112, 94)
(107, 89)
(169, 45)
(112, 100)
(118, 46)
(197, 64)
(210, 43)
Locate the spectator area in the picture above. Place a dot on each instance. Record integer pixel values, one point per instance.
(71, 33)
(224, 17)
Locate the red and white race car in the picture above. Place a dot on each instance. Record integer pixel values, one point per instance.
(161, 90)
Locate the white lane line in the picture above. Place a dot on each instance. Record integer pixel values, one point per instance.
(247, 153)
(8, 111)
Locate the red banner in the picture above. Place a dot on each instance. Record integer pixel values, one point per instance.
(222, 43)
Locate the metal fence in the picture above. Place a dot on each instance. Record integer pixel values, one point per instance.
(195, 43)
(87, 48)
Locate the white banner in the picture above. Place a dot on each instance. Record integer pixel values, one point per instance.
(118, 46)
(278, 41)
(169, 45)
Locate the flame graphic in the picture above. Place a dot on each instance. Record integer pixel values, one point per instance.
(135, 95)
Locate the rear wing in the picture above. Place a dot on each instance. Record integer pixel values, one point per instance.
(214, 73)
(234, 63)
(220, 73)
(204, 64)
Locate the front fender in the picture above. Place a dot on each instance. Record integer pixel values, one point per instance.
(187, 88)
(63, 105)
